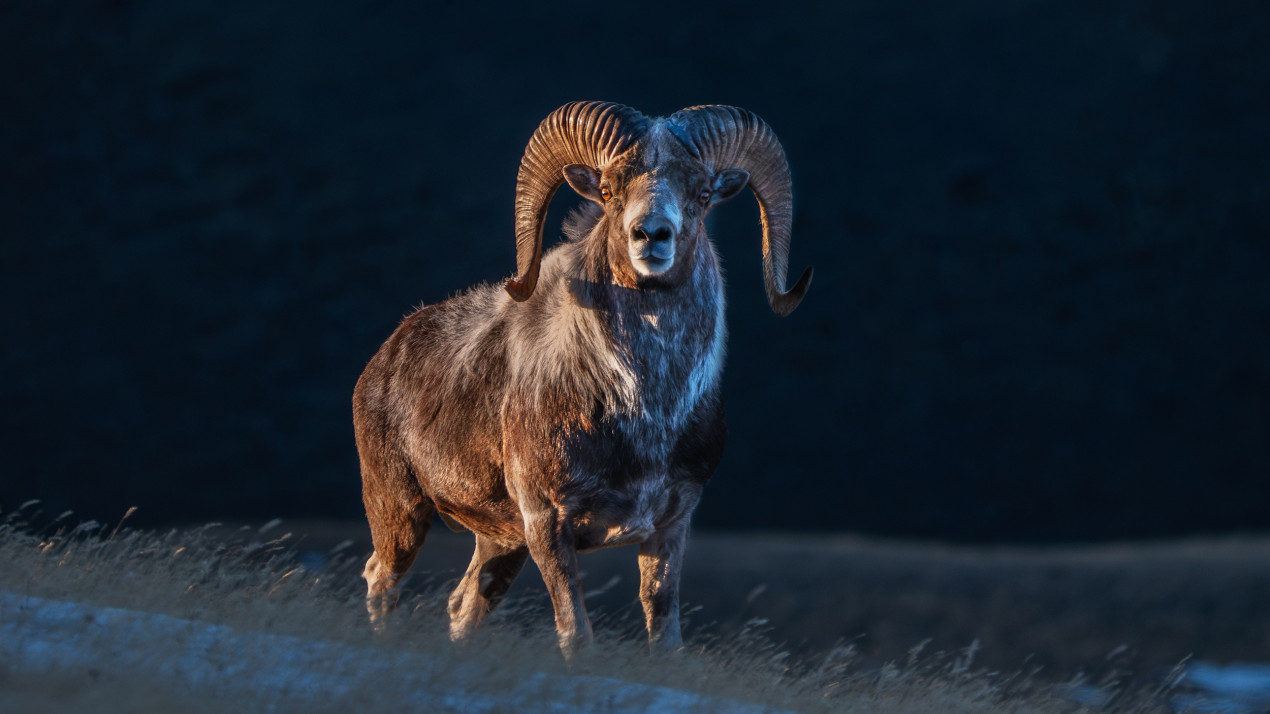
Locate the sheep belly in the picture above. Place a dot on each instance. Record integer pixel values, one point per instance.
(615, 537)
(610, 518)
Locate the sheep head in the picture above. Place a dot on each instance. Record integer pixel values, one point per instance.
(655, 180)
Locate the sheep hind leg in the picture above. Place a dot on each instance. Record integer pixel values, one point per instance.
(490, 574)
(397, 532)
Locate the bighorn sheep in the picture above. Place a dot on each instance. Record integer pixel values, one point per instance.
(578, 409)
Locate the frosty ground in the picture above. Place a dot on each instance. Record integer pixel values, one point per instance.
(194, 617)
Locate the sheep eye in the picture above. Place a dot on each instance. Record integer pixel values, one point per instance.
(704, 198)
(605, 193)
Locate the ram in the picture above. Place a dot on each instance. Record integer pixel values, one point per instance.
(576, 407)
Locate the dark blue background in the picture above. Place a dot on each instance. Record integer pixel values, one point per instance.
(1041, 233)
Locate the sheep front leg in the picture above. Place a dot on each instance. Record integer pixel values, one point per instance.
(660, 563)
(551, 545)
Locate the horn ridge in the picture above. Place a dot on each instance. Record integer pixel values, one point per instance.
(590, 133)
(726, 137)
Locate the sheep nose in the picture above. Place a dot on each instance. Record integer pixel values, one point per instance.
(655, 229)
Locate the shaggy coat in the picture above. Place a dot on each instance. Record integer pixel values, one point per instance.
(586, 416)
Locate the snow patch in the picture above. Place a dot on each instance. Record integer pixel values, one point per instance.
(278, 671)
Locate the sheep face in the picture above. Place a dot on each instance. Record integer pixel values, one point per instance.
(654, 198)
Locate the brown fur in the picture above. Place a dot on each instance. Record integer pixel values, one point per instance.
(586, 417)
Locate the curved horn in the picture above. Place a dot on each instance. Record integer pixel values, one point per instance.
(726, 137)
(589, 133)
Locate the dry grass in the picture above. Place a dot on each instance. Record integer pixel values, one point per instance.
(253, 582)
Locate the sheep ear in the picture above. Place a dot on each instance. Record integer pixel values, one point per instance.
(728, 183)
(585, 180)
